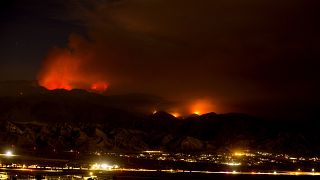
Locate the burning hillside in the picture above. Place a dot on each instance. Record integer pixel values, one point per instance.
(67, 68)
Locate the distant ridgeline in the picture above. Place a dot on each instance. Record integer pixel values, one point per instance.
(84, 121)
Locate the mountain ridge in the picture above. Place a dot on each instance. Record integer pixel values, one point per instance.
(84, 121)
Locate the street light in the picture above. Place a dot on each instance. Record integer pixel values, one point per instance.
(9, 153)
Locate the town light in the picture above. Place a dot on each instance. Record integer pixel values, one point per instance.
(8, 153)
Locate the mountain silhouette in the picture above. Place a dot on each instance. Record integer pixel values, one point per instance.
(85, 121)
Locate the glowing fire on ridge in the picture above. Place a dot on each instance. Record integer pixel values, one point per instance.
(99, 86)
(175, 114)
(201, 106)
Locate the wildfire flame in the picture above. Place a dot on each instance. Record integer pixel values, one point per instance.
(201, 106)
(65, 68)
(99, 86)
(175, 114)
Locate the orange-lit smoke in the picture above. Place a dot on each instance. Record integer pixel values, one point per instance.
(201, 106)
(67, 68)
(175, 114)
(99, 86)
(195, 106)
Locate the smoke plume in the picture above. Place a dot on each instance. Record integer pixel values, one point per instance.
(68, 68)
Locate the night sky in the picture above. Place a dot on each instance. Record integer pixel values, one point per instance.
(253, 56)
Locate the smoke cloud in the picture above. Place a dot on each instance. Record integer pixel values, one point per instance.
(68, 68)
(233, 55)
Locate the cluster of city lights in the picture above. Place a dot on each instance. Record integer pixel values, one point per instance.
(103, 166)
(238, 158)
(232, 163)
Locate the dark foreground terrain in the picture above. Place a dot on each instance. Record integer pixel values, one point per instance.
(75, 128)
(35, 119)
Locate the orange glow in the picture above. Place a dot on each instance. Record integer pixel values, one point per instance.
(196, 112)
(66, 68)
(201, 106)
(60, 71)
(239, 154)
(99, 86)
(175, 114)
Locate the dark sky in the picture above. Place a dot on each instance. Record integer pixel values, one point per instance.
(253, 56)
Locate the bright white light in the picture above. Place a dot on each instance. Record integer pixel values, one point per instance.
(105, 166)
(151, 151)
(233, 164)
(9, 153)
